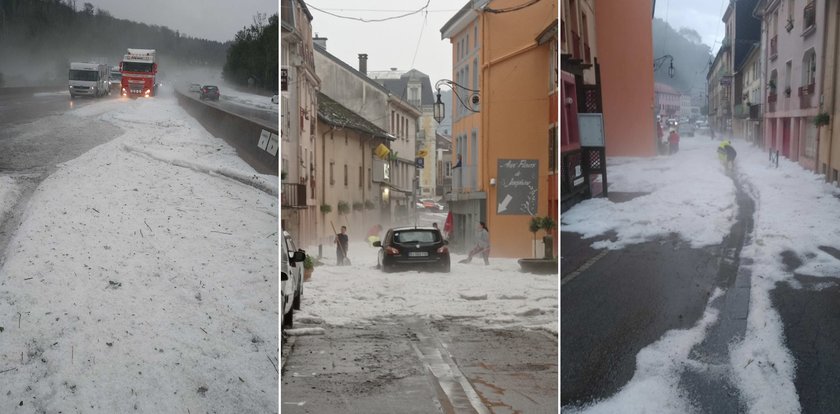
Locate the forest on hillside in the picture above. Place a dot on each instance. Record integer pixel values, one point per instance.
(253, 57)
(38, 39)
(691, 58)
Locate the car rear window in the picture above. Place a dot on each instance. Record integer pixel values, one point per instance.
(211, 88)
(416, 236)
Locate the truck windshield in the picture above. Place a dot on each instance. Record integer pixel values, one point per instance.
(84, 75)
(136, 67)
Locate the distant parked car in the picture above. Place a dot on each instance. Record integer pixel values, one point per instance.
(275, 99)
(702, 127)
(194, 87)
(291, 278)
(686, 129)
(210, 92)
(413, 247)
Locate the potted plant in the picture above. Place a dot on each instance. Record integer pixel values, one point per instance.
(370, 205)
(787, 91)
(772, 85)
(822, 119)
(358, 206)
(548, 264)
(326, 208)
(548, 225)
(534, 226)
(343, 207)
(308, 268)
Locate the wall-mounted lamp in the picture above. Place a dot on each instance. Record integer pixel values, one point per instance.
(439, 108)
(492, 181)
(657, 63)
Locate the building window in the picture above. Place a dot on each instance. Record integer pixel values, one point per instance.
(475, 36)
(345, 176)
(475, 74)
(810, 141)
(809, 66)
(332, 173)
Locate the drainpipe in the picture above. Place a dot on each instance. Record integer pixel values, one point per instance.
(324, 170)
(833, 98)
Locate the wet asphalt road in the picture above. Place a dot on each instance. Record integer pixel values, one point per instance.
(811, 321)
(614, 303)
(414, 366)
(622, 303)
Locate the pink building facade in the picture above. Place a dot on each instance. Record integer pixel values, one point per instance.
(793, 42)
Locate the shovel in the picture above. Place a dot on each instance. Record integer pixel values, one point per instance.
(346, 259)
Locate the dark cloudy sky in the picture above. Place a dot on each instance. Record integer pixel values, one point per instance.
(208, 19)
(704, 16)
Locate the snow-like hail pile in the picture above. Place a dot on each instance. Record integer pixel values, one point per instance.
(9, 192)
(687, 193)
(141, 279)
(795, 210)
(494, 296)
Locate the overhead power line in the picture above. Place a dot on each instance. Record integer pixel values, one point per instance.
(371, 20)
(512, 9)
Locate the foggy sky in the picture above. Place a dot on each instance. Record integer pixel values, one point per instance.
(704, 16)
(392, 43)
(217, 20)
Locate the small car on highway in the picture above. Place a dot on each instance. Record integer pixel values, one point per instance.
(413, 247)
(194, 87)
(291, 278)
(210, 92)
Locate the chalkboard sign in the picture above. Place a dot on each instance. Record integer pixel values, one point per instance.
(516, 187)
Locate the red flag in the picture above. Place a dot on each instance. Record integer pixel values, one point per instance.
(447, 225)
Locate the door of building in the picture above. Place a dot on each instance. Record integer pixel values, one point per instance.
(786, 137)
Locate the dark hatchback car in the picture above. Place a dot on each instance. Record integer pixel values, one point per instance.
(209, 92)
(413, 247)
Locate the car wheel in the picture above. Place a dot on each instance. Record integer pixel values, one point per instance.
(298, 296)
(445, 268)
(288, 319)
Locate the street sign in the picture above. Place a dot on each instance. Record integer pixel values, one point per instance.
(284, 80)
(517, 187)
(419, 162)
(422, 153)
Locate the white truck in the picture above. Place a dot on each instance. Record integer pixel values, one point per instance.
(91, 79)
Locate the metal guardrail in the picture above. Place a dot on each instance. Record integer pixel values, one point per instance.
(256, 141)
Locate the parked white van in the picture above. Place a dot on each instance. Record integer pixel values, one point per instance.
(91, 79)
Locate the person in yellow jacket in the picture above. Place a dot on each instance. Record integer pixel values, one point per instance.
(726, 154)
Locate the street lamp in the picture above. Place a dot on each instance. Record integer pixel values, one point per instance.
(657, 63)
(439, 107)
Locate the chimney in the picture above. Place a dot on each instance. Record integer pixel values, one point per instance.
(320, 41)
(363, 63)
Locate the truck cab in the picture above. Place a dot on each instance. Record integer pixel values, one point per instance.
(89, 79)
(139, 69)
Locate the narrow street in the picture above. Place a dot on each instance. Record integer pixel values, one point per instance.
(410, 365)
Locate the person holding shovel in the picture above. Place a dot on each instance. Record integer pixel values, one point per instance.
(342, 242)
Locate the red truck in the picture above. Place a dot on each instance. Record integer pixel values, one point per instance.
(139, 71)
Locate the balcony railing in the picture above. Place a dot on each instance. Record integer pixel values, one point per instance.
(742, 111)
(810, 14)
(774, 47)
(293, 195)
(463, 179)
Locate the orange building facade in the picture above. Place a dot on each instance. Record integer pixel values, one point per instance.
(504, 140)
(627, 85)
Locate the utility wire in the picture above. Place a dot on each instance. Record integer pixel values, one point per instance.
(512, 9)
(417, 49)
(371, 20)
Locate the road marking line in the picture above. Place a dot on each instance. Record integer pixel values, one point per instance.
(455, 393)
(583, 268)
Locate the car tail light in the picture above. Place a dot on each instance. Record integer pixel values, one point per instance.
(391, 251)
(443, 249)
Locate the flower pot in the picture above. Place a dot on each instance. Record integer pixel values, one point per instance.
(307, 274)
